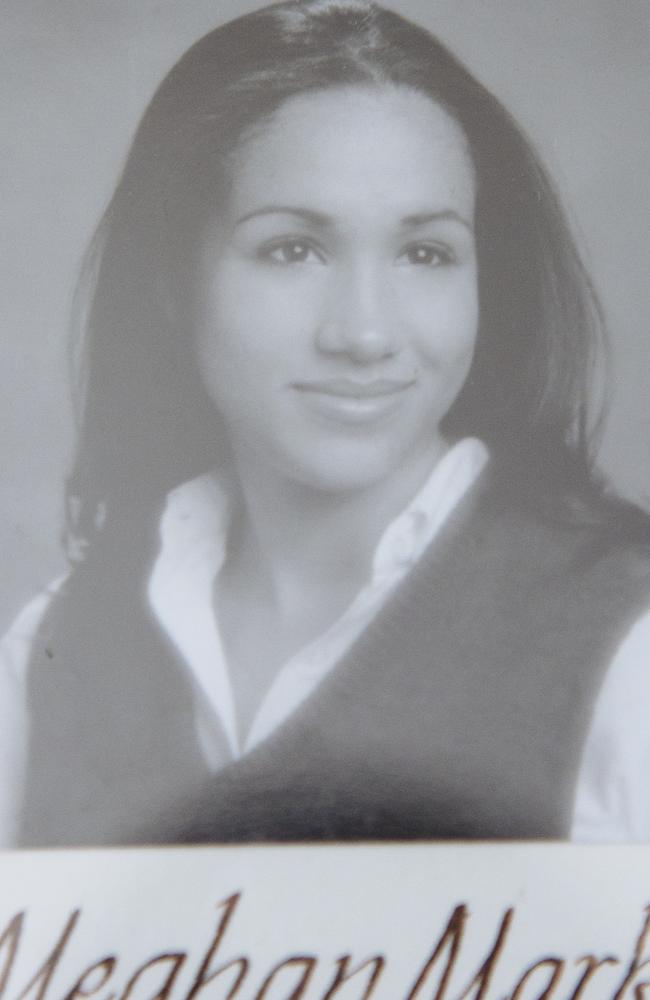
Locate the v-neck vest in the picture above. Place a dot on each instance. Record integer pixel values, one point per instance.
(461, 711)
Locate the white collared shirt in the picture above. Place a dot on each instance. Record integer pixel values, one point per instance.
(612, 799)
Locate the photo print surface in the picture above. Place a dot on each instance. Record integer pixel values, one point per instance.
(326, 424)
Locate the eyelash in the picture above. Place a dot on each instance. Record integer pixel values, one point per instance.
(431, 255)
(266, 253)
(435, 255)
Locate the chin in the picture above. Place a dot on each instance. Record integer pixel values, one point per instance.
(344, 470)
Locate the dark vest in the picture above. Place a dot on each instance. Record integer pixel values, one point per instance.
(461, 712)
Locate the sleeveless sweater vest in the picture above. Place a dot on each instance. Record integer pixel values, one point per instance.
(461, 712)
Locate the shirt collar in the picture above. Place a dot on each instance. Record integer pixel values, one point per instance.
(193, 534)
(194, 525)
(406, 537)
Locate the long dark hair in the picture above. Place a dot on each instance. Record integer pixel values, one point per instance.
(146, 422)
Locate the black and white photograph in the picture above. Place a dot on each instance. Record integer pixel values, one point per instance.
(325, 422)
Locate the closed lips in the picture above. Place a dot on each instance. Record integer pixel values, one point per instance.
(349, 389)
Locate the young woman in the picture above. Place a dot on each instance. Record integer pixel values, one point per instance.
(342, 568)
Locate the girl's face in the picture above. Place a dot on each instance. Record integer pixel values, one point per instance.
(338, 301)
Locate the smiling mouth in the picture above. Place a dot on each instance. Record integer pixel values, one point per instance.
(344, 388)
(349, 402)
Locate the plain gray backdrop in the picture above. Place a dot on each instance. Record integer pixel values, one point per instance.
(75, 76)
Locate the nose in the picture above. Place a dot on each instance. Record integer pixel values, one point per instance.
(357, 320)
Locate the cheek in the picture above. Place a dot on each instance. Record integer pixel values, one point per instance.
(446, 325)
(251, 319)
(234, 330)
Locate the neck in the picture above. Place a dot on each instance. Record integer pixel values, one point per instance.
(298, 542)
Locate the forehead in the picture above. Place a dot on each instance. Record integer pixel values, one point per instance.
(356, 149)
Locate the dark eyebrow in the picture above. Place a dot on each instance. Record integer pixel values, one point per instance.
(306, 214)
(422, 218)
(319, 219)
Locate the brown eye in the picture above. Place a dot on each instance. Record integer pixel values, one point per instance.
(427, 255)
(292, 252)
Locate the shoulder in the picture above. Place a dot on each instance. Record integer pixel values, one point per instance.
(612, 801)
(17, 643)
(16, 650)
(586, 565)
(589, 527)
